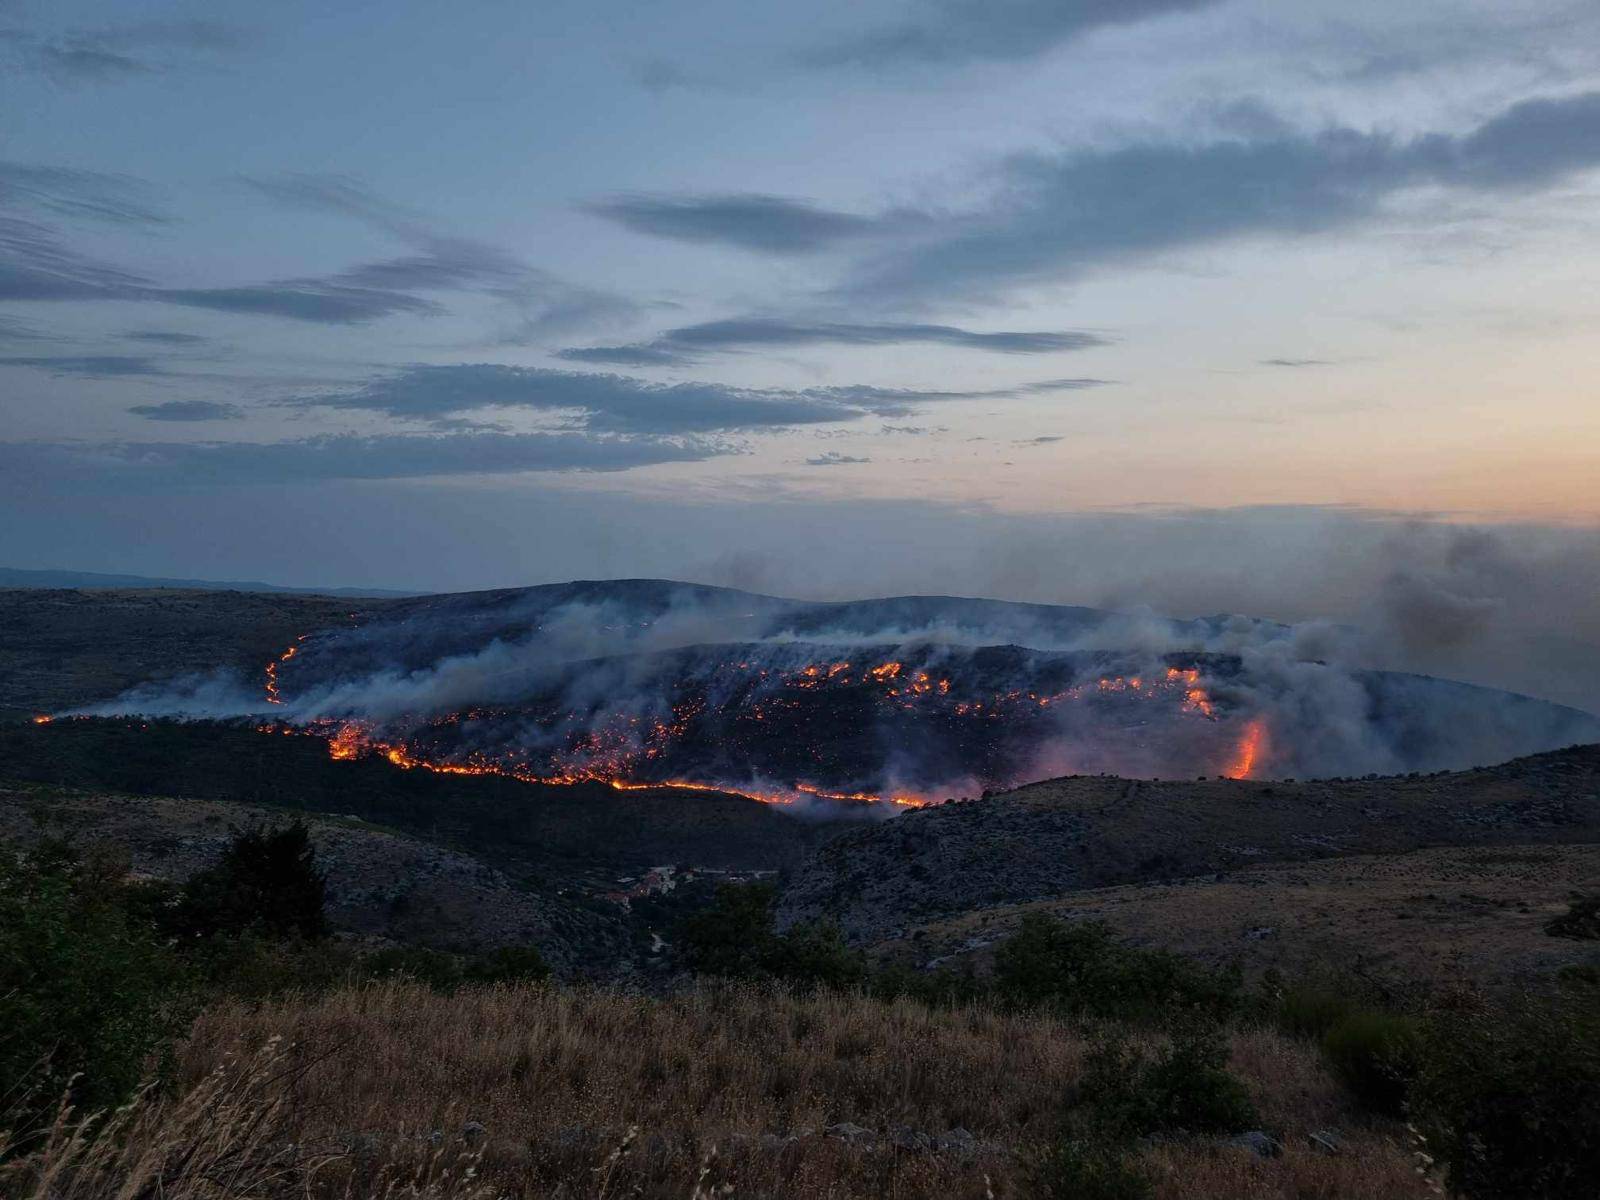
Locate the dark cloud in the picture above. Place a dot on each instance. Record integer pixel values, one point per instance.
(962, 31)
(1042, 440)
(164, 337)
(544, 305)
(345, 456)
(772, 224)
(1063, 214)
(36, 265)
(612, 403)
(620, 404)
(110, 53)
(648, 354)
(1295, 362)
(680, 346)
(88, 366)
(187, 410)
(314, 300)
(763, 331)
(833, 459)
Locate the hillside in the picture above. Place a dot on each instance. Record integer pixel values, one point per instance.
(1087, 832)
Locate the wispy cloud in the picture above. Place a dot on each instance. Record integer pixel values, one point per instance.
(87, 366)
(750, 221)
(188, 410)
(951, 32)
(685, 344)
(833, 459)
(348, 456)
(114, 53)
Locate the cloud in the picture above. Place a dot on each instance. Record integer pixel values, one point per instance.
(164, 337)
(1042, 440)
(544, 305)
(680, 346)
(833, 459)
(750, 221)
(640, 355)
(342, 456)
(1061, 215)
(71, 192)
(762, 331)
(621, 404)
(112, 53)
(188, 410)
(1295, 362)
(962, 31)
(88, 366)
(36, 265)
(612, 403)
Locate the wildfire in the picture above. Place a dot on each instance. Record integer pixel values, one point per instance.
(272, 669)
(1249, 750)
(43, 719)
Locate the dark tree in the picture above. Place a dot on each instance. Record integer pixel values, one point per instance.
(267, 883)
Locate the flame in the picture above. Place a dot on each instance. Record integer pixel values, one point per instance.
(43, 719)
(1248, 750)
(272, 669)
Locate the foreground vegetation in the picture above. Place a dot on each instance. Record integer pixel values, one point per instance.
(285, 1063)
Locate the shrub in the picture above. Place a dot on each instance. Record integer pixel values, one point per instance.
(1310, 1010)
(266, 883)
(447, 972)
(1081, 968)
(1581, 921)
(734, 937)
(1091, 1169)
(1187, 1088)
(1509, 1095)
(87, 990)
(1375, 1055)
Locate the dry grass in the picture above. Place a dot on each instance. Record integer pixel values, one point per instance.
(589, 1093)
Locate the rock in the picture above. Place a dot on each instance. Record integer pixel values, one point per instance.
(1328, 1141)
(776, 1141)
(1258, 932)
(906, 1138)
(1262, 1145)
(957, 1141)
(848, 1132)
(472, 1131)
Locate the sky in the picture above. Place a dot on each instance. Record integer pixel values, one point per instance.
(1266, 304)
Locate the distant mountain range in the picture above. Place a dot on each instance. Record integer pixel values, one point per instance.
(14, 577)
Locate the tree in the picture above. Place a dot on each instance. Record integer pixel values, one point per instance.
(266, 883)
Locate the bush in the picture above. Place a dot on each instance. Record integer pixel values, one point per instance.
(1375, 1055)
(1186, 1089)
(1088, 1169)
(734, 937)
(1310, 1010)
(1509, 1096)
(87, 989)
(447, 972)
(266, 883)
(1080, 967)
(1581, 921)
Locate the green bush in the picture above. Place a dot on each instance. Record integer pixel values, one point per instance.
(266, 883)
(1091, 1169)
(1187, 1088)
(735, 937)
(1310, 1009)
(1375, 1055)
(1509, 1096)
(88, 992)
(447, 972)
(1080, 967)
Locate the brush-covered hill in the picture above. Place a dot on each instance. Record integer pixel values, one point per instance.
(1076, 834)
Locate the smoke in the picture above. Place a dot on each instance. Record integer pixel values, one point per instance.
(641, 682)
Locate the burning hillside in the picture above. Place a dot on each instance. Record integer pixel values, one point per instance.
(911, 700)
